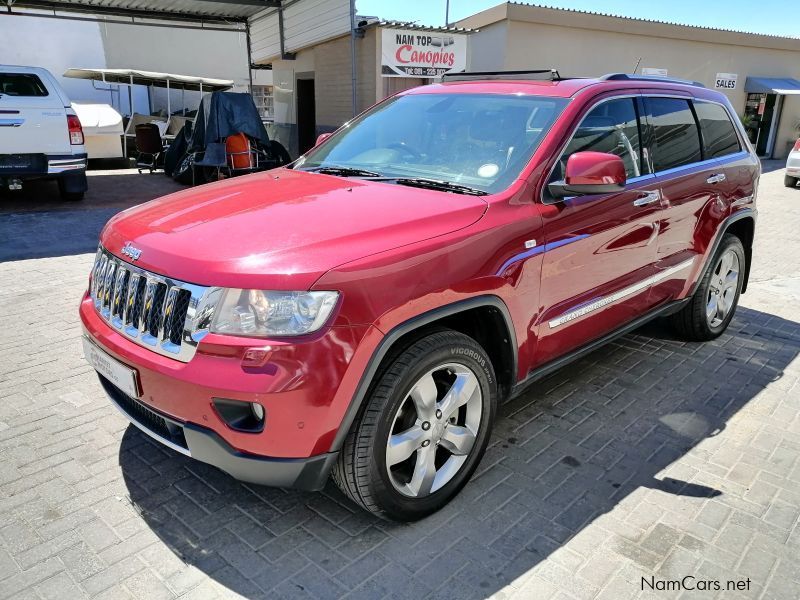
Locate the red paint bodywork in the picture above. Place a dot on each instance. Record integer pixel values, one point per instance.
(594, 168)
(396, 252)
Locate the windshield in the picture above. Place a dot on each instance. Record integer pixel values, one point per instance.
(482, 141)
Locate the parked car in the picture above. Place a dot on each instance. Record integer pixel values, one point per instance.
(363, 311)
(793, 166)
(40, 134)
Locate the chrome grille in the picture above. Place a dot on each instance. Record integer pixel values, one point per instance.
(157, 312)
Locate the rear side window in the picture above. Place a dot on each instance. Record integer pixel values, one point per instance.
(21, 84)
(676, 135)
(719, 135)
(611, 127)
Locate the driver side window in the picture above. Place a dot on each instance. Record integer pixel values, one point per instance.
(611, 127)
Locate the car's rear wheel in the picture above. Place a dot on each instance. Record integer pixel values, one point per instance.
(423, 430)
(790, 181)
(713, 304)
(72, 187)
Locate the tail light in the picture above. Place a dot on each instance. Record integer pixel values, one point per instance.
(796, 145)
(75, 130)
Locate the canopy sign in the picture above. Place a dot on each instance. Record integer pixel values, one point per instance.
(407, 53)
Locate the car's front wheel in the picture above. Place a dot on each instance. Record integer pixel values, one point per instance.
(790, 181)
(423, 430)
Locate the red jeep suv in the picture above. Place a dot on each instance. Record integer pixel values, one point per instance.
(362, 312)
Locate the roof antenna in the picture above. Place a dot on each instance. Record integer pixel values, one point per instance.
(636, 68)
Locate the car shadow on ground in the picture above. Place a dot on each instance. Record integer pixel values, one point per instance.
(36, 223)
(563, 455)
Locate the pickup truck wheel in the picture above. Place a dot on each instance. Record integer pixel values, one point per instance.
(73, 187)
(711, 309)
(790, 181)
(423, 430)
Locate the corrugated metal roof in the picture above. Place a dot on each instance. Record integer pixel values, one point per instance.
(418, 27)
(674, 23)
(219, 10)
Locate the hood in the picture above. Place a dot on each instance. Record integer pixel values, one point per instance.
(281, 229)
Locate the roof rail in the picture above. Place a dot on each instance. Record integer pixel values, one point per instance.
(536, 75)
(634, 77)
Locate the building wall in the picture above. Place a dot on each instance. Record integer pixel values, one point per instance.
(329, 64)
(578, 44)
(304, 24)
(105, 43)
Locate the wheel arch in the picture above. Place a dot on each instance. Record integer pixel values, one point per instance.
(744, 228)
(476, 317)
(741, 224)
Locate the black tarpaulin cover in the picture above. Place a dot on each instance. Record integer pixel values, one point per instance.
(223, 114)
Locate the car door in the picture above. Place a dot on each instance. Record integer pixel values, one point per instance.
(692, 186)
(600, 248)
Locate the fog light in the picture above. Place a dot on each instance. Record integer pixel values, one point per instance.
(243, 416)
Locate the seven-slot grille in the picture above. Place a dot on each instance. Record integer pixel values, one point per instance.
(154, 311)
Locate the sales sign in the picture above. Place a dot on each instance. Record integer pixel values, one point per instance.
(726, 81)
(407, 53)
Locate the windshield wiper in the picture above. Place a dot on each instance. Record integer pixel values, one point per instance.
(343, 171)
(444, 186)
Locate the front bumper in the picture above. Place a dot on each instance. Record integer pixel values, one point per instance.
(305, 388)
(207, 446)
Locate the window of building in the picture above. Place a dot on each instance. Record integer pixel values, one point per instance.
(263, 98)
(610, 127)
(677, 138)
(21, 84)
(719, 135)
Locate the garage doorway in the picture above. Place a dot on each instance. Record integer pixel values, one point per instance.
(763, 111)
(306, 115)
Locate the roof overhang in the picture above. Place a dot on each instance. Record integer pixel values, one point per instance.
(183, 10)
(151, 78)
(771, 85)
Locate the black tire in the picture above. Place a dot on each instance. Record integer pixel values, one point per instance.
(691, 323)
(361, 471)
(73, 187)
(790, 181)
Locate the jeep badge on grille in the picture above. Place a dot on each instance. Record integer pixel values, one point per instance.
(129, 250)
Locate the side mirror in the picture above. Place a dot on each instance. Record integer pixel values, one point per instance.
(590, 173)
(322, 137)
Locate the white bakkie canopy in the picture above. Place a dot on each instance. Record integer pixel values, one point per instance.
(154, 78)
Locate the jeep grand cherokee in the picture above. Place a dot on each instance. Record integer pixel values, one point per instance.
(361, 312)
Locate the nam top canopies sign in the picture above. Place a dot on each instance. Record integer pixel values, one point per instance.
(407, 53)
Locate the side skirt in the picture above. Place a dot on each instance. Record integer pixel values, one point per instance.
(554, 365)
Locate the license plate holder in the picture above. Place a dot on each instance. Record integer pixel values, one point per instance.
(119, 374)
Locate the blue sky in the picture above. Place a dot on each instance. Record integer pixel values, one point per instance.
(776, 17)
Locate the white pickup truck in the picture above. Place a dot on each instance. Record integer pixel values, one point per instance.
(40, 134)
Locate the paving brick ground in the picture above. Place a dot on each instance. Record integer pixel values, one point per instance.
(649, 459)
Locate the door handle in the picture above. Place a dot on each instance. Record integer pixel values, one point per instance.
(716, 178)
(647, 198)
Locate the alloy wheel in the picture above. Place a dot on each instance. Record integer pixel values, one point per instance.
(434, 430)
(722, 289)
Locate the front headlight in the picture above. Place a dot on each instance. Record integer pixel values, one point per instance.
(259, 313)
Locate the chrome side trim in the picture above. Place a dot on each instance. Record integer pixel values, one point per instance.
(11, 122)
(147, 308)
(538, 250)
(623, 293)
(67, 164)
